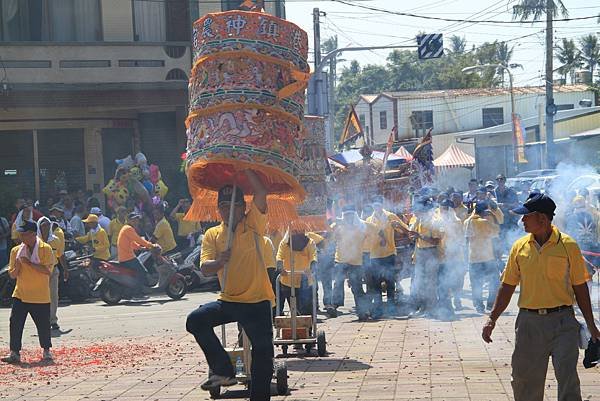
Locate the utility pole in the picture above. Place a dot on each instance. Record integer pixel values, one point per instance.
(550, 108)
(317, 36)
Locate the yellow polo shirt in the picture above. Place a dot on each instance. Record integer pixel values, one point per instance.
(247, 278)
(58, 245)
(481, 233)
(99, 241)
(185, 227)
(32, 286)
(383, 223)
(427, 228)
(350, 240)
(269, 253)
(452, 244)
(462, 212)
(546, 275)
(302, 261)
(114, 228)
(164, 236)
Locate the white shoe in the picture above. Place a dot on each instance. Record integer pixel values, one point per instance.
(215, 381)
(47, 355)
(13, 357)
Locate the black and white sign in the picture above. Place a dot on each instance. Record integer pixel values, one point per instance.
(430, 46)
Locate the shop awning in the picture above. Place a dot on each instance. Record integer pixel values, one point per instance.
(454, 157)
(403, 153)
(353, 155)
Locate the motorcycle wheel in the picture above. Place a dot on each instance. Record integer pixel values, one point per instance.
(6, 293)
(177, 288)
(110, 294)
(79, 290)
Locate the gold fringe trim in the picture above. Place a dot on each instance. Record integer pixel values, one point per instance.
(278, 183)
(280, 211)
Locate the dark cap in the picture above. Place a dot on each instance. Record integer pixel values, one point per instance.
(447, 203)
(226, 193)
(57, 207)
(424, 204)
(348, 208)
(537, 202)
(501, 177)
(27, 226)
(481, 189)
(134, 215)
(481, 207)
(377, 200)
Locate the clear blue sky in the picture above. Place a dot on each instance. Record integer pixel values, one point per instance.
(358, 27)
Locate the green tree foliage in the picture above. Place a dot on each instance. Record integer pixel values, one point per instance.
(590, 52)
(405, 72)
(569, 56)
(535, 9)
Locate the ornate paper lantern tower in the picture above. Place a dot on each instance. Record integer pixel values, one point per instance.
(246, 105)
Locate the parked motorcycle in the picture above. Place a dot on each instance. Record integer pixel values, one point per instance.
(119, 282)
(189, 265)
(7, 286)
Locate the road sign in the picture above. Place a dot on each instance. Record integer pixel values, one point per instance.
(430, 46)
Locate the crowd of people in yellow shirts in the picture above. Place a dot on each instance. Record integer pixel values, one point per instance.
(38, 273)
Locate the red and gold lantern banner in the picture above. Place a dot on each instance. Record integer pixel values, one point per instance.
(247, 102)
(313, 174)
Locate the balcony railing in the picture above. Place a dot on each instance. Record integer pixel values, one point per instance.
(96, 62)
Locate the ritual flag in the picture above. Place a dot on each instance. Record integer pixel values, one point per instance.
(352, 128)
(388, 148)
(519, 139)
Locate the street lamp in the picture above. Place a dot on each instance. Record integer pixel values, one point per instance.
(312, 98)
(512, 98)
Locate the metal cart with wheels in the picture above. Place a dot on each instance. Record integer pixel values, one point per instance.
(280, 372)
(298, 330)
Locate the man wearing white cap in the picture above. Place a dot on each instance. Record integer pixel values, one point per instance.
(102, 219)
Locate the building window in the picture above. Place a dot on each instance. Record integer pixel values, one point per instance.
(50, 20)
(363, 121)
(492, 116)
(228, 5)
(382, 120)
(280, 8)
(150, 21)
(422, 120)
(560, 107)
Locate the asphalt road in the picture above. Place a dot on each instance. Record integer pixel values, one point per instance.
(98, 321)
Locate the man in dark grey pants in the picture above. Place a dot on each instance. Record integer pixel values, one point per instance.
(548, 266)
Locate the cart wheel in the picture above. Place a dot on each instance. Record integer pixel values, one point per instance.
(321, 343)
(215, 393)
(284, 349)
(281, 376)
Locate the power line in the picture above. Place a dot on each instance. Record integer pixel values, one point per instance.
(405, 14)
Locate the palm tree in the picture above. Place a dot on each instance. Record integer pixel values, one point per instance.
(590, 52)
(503, 55)
(570, 58)
(535, 9)
(458, 44)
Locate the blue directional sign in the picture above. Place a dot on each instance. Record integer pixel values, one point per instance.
(430, 46)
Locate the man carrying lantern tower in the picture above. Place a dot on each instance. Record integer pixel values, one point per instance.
(242, 163)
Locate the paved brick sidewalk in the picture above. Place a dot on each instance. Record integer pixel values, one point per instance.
(396, 359)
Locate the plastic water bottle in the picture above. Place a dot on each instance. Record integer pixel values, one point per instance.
(239, 366)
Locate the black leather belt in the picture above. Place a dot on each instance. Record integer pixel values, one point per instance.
(548, 310)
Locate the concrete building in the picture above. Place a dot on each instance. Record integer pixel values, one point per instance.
(454, 110)
(85, 82)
